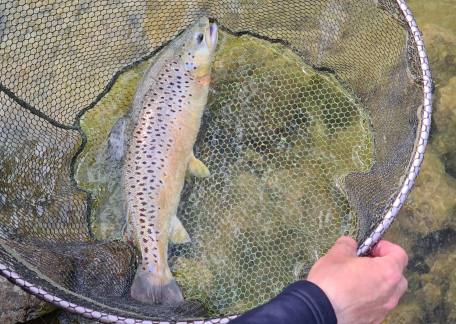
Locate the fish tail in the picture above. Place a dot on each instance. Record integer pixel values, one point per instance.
(151, 289)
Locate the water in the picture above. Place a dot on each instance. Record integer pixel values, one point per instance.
(279, 138)
(426, 226)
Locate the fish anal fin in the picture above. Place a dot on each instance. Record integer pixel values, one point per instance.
(197, 168)
(178, 234)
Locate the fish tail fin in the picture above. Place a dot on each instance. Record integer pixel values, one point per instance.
(149, 289)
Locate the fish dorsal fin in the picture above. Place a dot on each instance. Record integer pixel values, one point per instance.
(178, 234)
(197, 168)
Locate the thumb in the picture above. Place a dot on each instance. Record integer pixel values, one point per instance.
(344, 246)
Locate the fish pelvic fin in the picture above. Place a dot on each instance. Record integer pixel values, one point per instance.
(149, 289)
(178, 234)
(197, 168)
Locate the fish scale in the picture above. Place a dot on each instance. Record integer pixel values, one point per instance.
(153, 145)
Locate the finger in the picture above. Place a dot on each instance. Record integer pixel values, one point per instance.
(345, 246)
(401, 287)
(392, 251)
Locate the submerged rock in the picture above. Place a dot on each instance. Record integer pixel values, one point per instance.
(431, 205)
(438, 285)
(444, 117)
(18, 306)
(424, 226)
(450, 298)
(406, 313)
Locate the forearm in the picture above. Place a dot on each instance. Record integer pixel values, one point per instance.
(299, 303)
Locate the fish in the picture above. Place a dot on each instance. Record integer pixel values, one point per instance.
(162, 127)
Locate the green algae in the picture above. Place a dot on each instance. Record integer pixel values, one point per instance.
(304, 132)
(429, 214)
(425, 206)
(279, 139)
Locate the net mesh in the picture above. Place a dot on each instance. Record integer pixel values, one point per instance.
(309, 130)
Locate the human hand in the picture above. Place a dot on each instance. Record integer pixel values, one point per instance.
(362, 290)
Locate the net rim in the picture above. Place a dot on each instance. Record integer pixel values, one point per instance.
(365, 246)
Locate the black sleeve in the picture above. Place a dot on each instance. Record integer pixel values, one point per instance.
(300, 303)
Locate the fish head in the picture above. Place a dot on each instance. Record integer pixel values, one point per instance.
(198, 48)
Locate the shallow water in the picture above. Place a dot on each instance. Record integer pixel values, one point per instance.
(426, 226)
(279, 139)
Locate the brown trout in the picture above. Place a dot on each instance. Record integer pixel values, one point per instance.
(162, 127)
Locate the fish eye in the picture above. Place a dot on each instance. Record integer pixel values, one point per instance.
(199, 38)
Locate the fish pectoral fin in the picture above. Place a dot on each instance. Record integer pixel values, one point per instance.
(178, 234)
(197, 168)
(116, 140)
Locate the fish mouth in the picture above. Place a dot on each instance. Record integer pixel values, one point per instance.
(213, 34)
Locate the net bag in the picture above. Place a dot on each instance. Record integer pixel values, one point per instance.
(316, 124)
